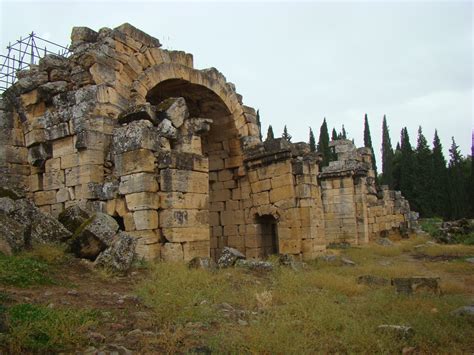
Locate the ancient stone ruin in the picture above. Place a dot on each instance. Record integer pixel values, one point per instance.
(173, 155)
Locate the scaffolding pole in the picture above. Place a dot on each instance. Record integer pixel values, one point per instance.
(22, 54)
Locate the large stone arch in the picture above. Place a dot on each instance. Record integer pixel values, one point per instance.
(209, 96)
(244, 122)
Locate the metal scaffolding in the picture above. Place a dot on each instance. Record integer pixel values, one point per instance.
(24, 52)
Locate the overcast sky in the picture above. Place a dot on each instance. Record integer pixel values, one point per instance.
(299, 62)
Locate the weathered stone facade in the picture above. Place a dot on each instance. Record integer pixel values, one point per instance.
(127, 128)
(355, 210)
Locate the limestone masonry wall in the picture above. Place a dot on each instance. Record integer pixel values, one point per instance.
(127, 128)
(355, 210)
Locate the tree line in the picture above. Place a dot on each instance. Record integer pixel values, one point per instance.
(434, 186)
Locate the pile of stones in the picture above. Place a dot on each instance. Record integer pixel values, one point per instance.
(89, 235)
(455, 231)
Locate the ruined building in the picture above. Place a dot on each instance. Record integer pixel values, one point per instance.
(171, 152)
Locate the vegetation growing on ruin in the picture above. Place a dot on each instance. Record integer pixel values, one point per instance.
(39, 328)
(32, 267)
(24, 271)
(432, 227)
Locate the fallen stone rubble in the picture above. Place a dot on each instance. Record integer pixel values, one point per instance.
(90, 235)
(455, 231)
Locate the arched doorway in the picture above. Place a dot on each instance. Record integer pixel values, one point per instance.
(221, 146)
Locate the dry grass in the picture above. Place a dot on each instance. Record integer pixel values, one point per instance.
(305, 320)
(457, 250)
(318, 310)
(456, 268)
(264, 300)
(453, 287)
(179, 295)
(48, 253)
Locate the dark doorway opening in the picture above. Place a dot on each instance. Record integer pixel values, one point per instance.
(269, 235)
(120, 222)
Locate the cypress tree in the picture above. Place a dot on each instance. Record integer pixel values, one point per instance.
(286, 135)
(312, 141)
(368, 143)
(406, 166)
(323, 143)
(439, 179)
(466, 172)
(367, 137)
(471, 183)
(423, 168)
(344, 133)
(396, 167)
(334, 137)
(458, 204)
(387, 156)
(270, 135)
(259, 124)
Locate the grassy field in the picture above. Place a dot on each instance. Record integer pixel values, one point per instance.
(319, 309)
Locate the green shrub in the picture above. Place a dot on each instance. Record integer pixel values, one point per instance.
(467, 239)
(431, 226)
(4, 298)
(24, 271)
(39, 329)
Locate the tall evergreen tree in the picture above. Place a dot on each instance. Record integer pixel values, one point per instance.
(387, 156)
(471, 183)
(423, 168)
(367, 137)
(467, 174)
(368, 143)
(458, 203)
(312, 141)
(270, 134)
(343, 134)
(286, 135)
(323, 143)
(406, 166)
(259, 124)
(396, 167)
(439, 179)
(334, 137)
